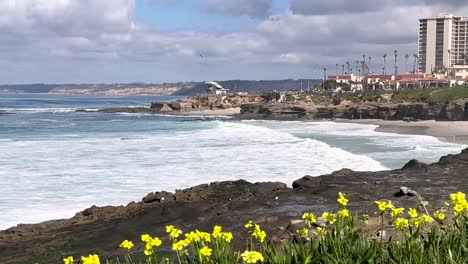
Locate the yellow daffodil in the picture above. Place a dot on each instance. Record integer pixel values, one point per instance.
(217, 231)
(145, 238)
(309, 218)
(205, 251)
(331, 218)
(401, 224)
(126, 244)
(256, 231)
(68, 260)
(416, 221)
(438, 215)
(249, 224)
(426, 218)
(252, 257)
(180, 245)
(173, 232)
(148, 252)
(91, 259)
(384, 205)
(343, 213)
(227, 236)
(412, 213)
(342, 199)
(155, 242)
(259, 234)
(396, 212)
(302, 231)
(458, 198)
(321, 230)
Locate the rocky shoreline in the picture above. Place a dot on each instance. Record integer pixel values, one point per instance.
(267, 106)
(231, 204)
(453, 111)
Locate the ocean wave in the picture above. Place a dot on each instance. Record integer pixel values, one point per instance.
(43, 110)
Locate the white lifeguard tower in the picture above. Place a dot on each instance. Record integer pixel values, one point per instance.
(216, 88)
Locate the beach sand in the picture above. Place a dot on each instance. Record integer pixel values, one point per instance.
(214, 112)
(455, 132)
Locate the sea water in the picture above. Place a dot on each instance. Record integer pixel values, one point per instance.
(55, 161)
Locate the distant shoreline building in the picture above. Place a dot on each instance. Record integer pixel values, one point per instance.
(216, 88)
(443, 45)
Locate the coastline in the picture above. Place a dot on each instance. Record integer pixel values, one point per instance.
(448, 131)
(212, 112)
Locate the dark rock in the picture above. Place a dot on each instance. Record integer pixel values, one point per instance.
(414, 165)
(306, 182)
(295, 225)
(158, 197)
(454, 111)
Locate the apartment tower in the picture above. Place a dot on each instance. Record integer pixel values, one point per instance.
(443, 45)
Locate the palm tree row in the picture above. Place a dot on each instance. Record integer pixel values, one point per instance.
(363, 67)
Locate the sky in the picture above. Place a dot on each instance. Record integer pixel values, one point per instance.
(118, 41)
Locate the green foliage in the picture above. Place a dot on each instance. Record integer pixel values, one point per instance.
(441, 95)
(415, 237)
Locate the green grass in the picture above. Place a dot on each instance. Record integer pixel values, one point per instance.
(450, 94)
(440, 95)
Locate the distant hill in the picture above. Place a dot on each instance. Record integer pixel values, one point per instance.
(179, 89)
(29, 88)
(253, 86)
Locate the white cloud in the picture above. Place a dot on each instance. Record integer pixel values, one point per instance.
(293, 40)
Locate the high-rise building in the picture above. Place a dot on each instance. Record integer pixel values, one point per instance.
(443, 45)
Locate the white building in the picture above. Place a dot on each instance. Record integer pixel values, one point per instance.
(216, 88)
(443, 45)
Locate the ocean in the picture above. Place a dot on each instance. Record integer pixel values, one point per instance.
(55, 161)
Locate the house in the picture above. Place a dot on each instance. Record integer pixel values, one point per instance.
(216, 88)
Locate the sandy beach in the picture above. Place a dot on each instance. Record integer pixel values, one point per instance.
(214, 112)
(456, 132)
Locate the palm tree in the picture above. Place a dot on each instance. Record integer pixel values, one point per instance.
(363, 64)
(406, 58)
(385, 63)
(342, 69)
(396, 61)
(348, 67)
(337, 69)
(324, 77)
(370, 58)
(357, 68)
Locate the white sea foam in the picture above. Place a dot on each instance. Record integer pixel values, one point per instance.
(42, 180)
(43, 110)
(56, 177)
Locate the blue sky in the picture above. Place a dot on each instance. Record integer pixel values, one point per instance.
(109, 41)
(189, 15)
